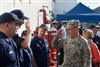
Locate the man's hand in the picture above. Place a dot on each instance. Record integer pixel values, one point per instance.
(27, 40)
(59, 33)
(28, 25)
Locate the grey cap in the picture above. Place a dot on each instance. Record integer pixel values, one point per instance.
(43, 26)
(72, 24)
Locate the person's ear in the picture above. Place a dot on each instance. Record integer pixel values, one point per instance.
(7, 25)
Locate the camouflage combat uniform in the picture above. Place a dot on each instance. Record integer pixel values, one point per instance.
(76, 51)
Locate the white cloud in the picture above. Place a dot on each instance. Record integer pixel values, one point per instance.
(90, 3)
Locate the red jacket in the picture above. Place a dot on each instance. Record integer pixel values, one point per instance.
(95, 53)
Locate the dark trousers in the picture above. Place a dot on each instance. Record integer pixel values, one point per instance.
(93, 63)
(61, 56)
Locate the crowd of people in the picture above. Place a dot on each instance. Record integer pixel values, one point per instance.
(77, 47)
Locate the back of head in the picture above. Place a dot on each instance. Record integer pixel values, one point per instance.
(89, 33)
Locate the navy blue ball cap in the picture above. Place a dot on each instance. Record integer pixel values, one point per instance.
(20, 14)
(43, 26)
(92, 26)
(24, 33)
(10, 17)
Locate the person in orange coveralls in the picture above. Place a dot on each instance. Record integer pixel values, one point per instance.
(88, 34)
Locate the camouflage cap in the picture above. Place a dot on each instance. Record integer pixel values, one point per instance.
(72, 24)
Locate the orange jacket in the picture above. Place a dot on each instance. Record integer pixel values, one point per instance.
(95, 53)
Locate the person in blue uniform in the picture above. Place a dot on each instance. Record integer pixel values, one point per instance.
(40, 48)
(9, 24)
(23, 41)
(27, 54)
(96, 38)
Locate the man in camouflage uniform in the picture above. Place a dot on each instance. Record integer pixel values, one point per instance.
(76, 48)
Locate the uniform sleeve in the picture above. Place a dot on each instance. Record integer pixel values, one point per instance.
(47, 45)
(57, 42)
(2, 51)
(86, 55)
(32, 45)
(18, 40)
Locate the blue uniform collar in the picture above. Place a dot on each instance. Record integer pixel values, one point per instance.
(2, 35)
(38, 38)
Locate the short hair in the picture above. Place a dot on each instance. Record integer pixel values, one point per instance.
(37, 28)
(89, 32)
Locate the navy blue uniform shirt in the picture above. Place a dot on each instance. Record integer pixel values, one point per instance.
(8, 54)
(96, 40)
(25, 55)
(18, 40)
(40, 49)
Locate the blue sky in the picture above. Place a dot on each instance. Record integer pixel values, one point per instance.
(90, 3)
